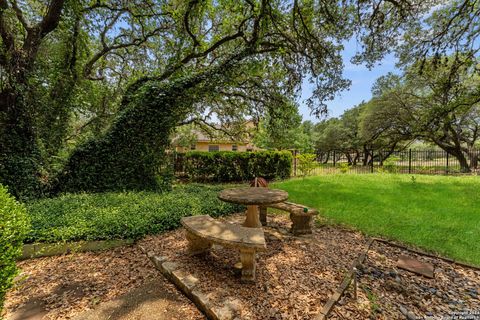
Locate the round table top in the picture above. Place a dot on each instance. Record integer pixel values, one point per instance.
(253, 196)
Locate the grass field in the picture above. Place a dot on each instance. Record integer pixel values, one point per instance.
(437, 213)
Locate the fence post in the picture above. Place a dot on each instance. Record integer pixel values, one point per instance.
(446, 169)
(371, 163)
(334, 159)
(409, 161)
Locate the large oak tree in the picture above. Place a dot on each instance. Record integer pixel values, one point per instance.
(191, 55)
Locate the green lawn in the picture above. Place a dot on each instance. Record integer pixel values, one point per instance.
(437, 213)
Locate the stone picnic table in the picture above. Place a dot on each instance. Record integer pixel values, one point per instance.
(252, 198)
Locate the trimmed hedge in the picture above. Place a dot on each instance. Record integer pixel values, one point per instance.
(132, 215)
(13, 228)
(229, 166)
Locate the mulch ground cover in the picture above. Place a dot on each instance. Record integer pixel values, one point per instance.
(295, 277)
(64, 286)
(387, 292)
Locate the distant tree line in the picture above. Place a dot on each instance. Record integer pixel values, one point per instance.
(436, 101)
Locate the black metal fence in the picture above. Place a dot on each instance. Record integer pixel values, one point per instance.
(405, 161)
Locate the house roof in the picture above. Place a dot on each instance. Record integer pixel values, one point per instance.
(218, 136)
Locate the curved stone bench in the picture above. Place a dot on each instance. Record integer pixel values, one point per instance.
(203, 231)
(301, 220)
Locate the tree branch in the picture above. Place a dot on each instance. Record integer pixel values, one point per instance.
(19, 14)
(88, 68)
(39, 31)
(186, 22)
(52, 18)
(192, 56)
(5, 33)
(208, 128)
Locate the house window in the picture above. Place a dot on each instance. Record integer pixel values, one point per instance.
(234, 147)
(193, 147)
(213, 148)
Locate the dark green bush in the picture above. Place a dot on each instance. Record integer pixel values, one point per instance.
(228, 166)
(13, 228)
(131, 215)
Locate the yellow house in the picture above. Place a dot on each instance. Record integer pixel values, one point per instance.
(207, 143)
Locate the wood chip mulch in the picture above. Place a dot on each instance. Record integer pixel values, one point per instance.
(387, 292)
(63, 286)
(295, 276)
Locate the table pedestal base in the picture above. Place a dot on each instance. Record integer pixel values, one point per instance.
(252, 220)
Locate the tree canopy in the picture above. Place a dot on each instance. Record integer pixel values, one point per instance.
(91, 89)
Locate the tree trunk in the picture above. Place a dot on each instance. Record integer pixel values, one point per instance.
(20, 159)
(327, 157)
(385, 154)
(366, 157)
(357, 156)
(129, 155)
(462, 160)
(464, 167)
(473, 156)
(349, 158)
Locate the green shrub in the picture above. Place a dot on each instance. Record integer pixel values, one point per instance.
(228, 166)
(13, 228)
(131, 215)
(344, 167)
(306, 163)
(390, 164)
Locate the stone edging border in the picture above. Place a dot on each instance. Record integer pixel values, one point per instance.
(227, 309)
(423, 253)
(327, 307)
(37, 250)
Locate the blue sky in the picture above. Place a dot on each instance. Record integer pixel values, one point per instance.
(360, 89)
